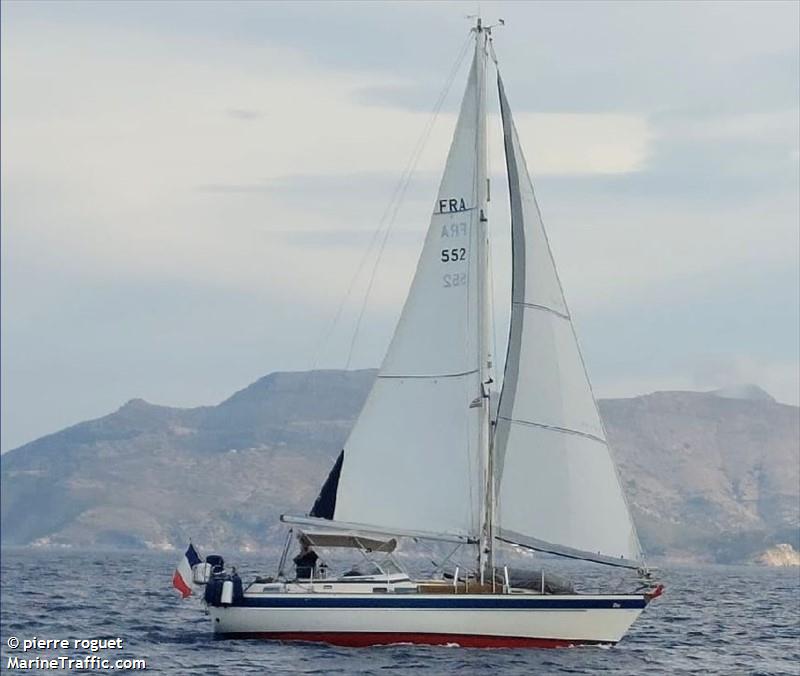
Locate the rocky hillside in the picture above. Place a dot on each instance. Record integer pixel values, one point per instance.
(153, 476)
(710, 476)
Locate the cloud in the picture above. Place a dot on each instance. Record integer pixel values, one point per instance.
(171, 162)
(779, 378)
(710, 372)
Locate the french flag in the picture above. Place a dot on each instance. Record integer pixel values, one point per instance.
(182, 578)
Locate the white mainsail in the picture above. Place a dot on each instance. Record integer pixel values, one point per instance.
(413, 459)
(556, 482)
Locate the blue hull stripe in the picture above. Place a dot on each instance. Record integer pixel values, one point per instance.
(511, 603)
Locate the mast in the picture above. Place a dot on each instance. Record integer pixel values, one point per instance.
(486, 554)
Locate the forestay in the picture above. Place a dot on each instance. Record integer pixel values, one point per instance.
(412, 460)
(556, 483)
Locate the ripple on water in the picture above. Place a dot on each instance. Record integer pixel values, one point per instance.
(712, 620)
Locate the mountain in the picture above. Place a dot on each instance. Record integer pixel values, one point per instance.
(708, 476)
(154, 476)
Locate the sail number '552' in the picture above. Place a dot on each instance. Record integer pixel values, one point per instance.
(454, 255)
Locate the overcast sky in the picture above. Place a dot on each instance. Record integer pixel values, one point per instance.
(187, 189)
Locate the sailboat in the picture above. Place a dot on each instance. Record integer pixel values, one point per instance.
(435, 456)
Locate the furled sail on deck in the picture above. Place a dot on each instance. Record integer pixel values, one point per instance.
(412, 460)
(556, 483)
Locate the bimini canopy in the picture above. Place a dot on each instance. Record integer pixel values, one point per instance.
(347, 540)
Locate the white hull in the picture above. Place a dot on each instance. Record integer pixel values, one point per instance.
(480, 620)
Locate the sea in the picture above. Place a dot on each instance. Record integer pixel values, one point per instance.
(711, 620)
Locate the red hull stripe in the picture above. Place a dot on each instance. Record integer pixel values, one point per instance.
(365, 639)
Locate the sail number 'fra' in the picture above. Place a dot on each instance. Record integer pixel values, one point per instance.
(453, 255)
(451, 205)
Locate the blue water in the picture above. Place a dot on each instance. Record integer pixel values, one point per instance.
(712, 620)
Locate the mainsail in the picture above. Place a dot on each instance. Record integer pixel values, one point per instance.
(412, 461)
(556, 483)
(418, 460)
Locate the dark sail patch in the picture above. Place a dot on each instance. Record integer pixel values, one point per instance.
(325, 504)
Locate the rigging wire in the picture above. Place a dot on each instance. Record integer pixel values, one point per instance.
(390, 214)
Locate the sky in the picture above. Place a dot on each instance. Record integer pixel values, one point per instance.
(190, 189)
